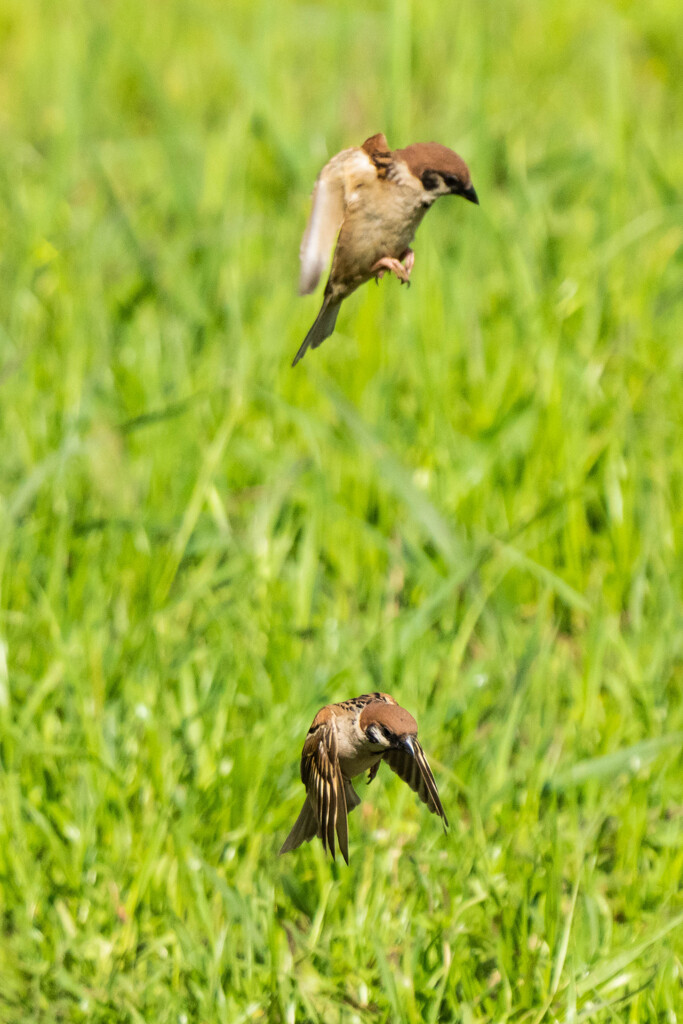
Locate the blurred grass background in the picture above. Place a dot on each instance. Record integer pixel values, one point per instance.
(471, 497)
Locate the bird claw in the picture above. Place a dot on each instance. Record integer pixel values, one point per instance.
(395, 267)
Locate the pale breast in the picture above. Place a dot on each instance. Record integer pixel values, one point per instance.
(352, 746)
(358, 765)
(381, 219)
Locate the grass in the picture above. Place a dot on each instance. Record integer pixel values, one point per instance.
(470, 497)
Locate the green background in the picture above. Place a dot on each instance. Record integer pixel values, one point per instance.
(470, 497)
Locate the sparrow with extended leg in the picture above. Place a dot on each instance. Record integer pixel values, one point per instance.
(371, 200)
(345, 740)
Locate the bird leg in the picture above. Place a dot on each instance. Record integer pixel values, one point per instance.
(408, 258)
(395, 266)
(373, 771)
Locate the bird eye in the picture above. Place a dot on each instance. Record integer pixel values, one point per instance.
(430, 180)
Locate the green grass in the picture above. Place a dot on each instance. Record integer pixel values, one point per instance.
(471, 497)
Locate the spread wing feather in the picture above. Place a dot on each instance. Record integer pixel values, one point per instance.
(331, 195)
(323, 226)
(321, 774)
(417, 773)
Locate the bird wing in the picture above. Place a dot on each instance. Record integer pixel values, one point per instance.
(417, 773)
(333, 189)
(321, 774)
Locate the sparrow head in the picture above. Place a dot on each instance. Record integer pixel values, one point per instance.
(441, 171)
(388, 725)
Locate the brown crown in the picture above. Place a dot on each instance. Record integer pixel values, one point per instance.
(431, 156)
(396, 718)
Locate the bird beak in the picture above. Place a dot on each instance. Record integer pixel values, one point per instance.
(469, 193)
(407, 743)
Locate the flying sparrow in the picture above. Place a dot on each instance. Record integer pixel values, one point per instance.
(373, 200)
(345, 740)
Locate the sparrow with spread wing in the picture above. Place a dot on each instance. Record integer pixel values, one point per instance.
(345, 740)
(371, 201)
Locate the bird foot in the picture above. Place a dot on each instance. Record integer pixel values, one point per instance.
(408, 260)
(395, 266)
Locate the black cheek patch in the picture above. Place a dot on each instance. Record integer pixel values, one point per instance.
(430, 180)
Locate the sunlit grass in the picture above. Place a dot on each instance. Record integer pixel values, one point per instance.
(469, 497)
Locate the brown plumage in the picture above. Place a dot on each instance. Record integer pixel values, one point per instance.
(345, 740)
(371, 202)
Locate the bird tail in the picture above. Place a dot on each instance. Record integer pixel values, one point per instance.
(305, 828)
(321, 329)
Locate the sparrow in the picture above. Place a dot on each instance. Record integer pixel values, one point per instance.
(371, 201)
(345, 740)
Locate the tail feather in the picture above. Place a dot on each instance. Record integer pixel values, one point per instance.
(306, 825)
(321, 329)
(305, 828)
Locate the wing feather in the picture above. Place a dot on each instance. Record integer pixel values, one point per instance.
(417, 773)
(323, 227)
(342, 816)
(332, 815)
(322, 776)
(322, 805)
(332, 192)
(327, 757)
